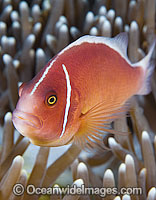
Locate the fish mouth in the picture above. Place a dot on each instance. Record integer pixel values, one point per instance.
(27, 118)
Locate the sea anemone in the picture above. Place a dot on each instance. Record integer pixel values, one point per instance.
(31, 32)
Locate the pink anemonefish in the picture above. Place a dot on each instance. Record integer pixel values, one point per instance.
(76, 96)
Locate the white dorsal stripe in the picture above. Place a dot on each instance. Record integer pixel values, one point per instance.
(67, 100)
(42, 77)
(118, 43)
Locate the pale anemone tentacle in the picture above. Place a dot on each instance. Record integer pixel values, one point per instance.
(67, 100)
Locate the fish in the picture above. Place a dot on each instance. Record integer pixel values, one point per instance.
(81, 91)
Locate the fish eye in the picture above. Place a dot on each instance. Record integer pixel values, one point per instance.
(51, 100)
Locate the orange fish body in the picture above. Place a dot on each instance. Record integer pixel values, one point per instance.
(80, 91)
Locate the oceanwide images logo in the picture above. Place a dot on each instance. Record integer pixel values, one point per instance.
(19, 190)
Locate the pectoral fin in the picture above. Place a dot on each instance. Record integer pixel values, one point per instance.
(97, 122)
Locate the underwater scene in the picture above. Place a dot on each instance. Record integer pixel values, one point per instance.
(77, 100)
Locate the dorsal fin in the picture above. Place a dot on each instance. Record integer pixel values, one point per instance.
(121, 40)
(119, 43)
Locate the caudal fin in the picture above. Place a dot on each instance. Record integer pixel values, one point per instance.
(148, 67)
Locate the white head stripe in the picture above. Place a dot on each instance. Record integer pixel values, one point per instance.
(42, 77)
(67, 100)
